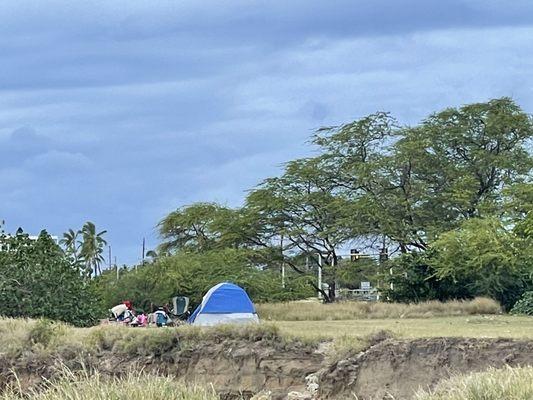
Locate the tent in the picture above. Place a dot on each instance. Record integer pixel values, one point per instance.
(224, 303)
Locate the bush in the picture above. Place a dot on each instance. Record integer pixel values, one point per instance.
(192, 275)
(480, 258)
(494, 384)
(524, 305)
(414, 279)
(37, 280)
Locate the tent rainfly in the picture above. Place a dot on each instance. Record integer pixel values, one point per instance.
(225, 303)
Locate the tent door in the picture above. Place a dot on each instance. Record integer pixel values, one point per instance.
(180, 306)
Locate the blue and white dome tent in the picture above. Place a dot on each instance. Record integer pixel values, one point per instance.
(225, 303)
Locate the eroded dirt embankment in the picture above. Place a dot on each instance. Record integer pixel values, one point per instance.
(241, 368)
(398, 368)
(236, 368)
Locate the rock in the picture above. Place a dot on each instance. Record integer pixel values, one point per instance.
(311, 384)
(300, 396)
(262, 395)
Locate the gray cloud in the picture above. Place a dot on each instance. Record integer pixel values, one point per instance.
(119, 112)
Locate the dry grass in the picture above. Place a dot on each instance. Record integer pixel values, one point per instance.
(94, 386)
(492, 326)
(494, 384)
(346, 346)
(21, 336)
(349, 310)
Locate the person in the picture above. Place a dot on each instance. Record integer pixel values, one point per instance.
(129, 317)
(117, 312)
(161, 317)
(142, 319)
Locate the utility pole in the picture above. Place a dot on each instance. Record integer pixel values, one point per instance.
(282, 264)
(335, 281)
(116, 267)
(144, 249)
(109, 261)
(320, 275)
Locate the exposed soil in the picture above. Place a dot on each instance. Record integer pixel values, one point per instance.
(236, 369)
(397, 369)
(240, 369)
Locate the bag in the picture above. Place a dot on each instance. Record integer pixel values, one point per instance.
(161, 319)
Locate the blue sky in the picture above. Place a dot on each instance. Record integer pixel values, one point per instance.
(119, 112)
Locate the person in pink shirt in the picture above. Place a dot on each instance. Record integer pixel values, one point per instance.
(142, 319)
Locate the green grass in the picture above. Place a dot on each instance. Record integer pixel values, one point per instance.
(492, 326)
(349, 310)
(494, 384)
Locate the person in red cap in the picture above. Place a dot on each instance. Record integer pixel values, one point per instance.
(119, 311)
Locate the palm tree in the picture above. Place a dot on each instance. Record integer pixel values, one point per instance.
(92, 247)
(72, 244)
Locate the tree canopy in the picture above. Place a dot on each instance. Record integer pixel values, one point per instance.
(448, 200)
(37, 279)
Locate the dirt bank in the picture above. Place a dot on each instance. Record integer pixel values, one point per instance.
(398, 368)
(239, 368)
(236, 368)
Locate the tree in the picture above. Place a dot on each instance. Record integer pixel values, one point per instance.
(72, 244)
(38, 280)
(193, 228)
(377, 183)
(207, 226)
(413, 183)
(301, 213)
(92, 248)
(485, 258)
(411, 278)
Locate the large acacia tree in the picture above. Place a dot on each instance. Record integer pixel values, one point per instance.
(375, 181)
(413, 183)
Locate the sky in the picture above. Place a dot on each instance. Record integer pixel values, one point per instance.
(119, 112)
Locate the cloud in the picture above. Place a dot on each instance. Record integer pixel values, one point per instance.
(118, 112)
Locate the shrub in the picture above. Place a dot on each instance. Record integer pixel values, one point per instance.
(494, 384)
(42, 332)
(37, 280)
(524, 305)
(192, 275)
(480, 258)
(414, 279)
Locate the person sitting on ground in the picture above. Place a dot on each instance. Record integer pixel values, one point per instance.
(139, 319)
(142, 319)
(161, 317)
(129, 317)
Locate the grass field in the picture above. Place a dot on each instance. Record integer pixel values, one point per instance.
(478, 326)
(477, 318)
(345, 310)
